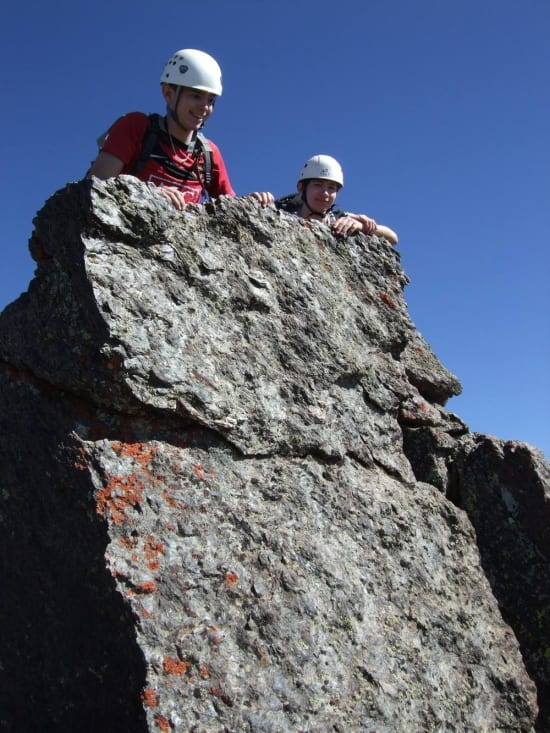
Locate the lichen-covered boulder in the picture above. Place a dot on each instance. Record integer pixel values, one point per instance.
(216, 511)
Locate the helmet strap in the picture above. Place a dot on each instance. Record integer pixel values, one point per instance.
(173, 111)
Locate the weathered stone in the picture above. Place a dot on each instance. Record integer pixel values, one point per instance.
(215, 509)
(505, 488)
(427, 373)
(430, 438)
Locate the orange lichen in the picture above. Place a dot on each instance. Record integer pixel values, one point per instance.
(174, 666)
(128, 542)
(408, 415)
(152, 551)
(150, 697)
(162, 723)
(224, 697)
(203, 672)
(198, 470)
(213, 635)
(81, 461)
(231, 579)
(119, 495)
(169, 500)
(140, 452)
(148, 586)
(388, 300)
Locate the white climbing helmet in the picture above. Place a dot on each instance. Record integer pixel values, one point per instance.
(195, 69)
(324, 167)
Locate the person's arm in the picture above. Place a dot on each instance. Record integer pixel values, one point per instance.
(105, 166)
(369, 226)
(220, 184)
(121, 145)
(387, 233)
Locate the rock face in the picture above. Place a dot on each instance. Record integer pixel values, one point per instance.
(232, 499)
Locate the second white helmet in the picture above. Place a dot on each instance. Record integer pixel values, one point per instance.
(192, 68)
(324, 167)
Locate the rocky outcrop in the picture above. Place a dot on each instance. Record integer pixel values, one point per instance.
(504, 486)
(232, 499)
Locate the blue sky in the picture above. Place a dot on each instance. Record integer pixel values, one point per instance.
(438, 110)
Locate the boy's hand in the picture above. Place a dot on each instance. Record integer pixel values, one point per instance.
(347, 225)
(264, 197)
(368, 225)
(175, 197)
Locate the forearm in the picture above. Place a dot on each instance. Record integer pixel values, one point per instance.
(105, 166)
(387, 233)
(372, 227)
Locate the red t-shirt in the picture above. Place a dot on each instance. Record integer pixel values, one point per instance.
(125, 139)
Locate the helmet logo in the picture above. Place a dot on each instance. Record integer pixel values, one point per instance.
(183, 68)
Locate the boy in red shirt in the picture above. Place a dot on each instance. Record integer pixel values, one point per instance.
(190, 83)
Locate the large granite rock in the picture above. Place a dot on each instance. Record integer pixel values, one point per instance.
(232, 499)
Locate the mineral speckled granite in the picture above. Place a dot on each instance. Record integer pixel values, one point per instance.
(232, 499)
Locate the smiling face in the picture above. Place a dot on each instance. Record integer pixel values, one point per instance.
(318, 194)
(189, 109)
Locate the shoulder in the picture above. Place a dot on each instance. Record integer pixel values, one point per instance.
(208, 144)
(125, 135)
(291, 203)
(133, 120)
(132, 124)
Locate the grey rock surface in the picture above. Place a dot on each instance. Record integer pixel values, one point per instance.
(232, 499)
(505, 488)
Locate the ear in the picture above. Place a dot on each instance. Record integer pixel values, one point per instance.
(168, 92)
(300, 186)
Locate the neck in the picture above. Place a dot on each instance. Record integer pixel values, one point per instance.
(306, 213)
(178, 132)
